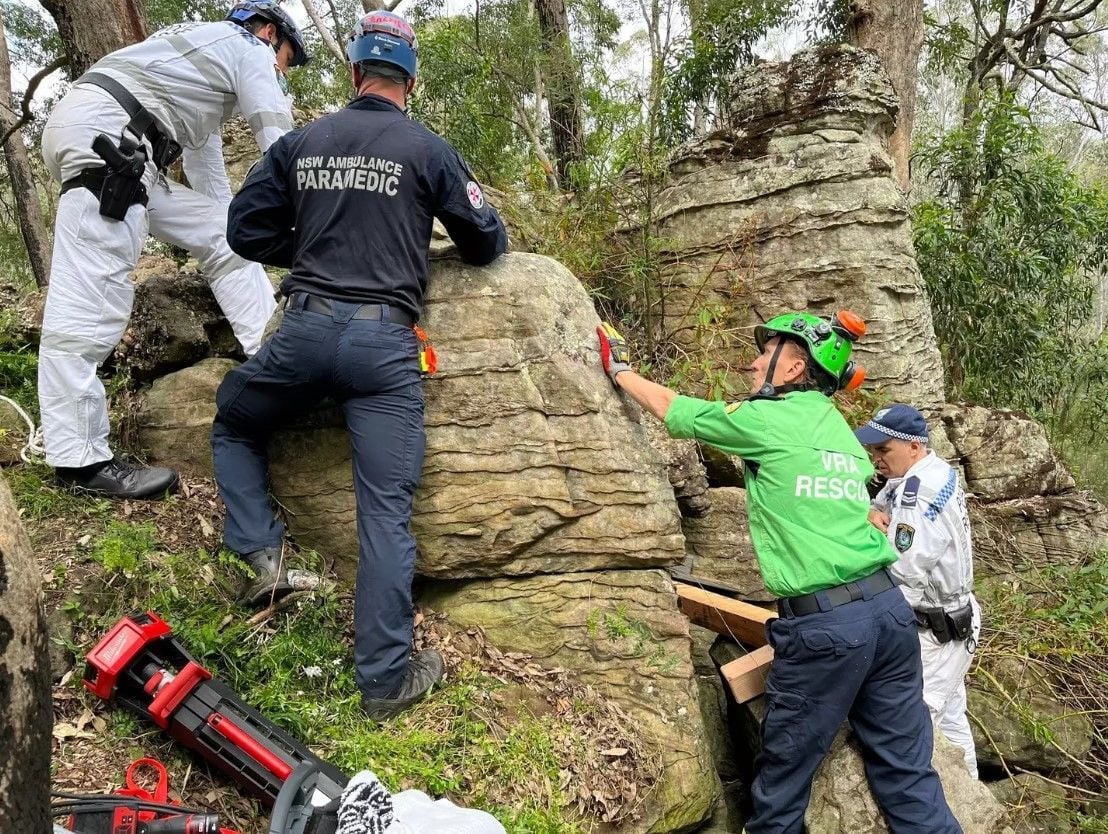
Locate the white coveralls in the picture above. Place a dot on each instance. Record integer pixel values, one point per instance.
(929, 529)
(192, 77)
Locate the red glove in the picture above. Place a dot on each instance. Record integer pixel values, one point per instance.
(614, 353)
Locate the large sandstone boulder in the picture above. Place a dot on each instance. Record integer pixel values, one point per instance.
(1027, 728)
(621, 632)
(841, 801)
(1011, 537)
(1005, 454)
(721, 547)
(793, 206)
(684, 467)
(175, 421)
(1035, 805)
(175, 322)
(534, 464)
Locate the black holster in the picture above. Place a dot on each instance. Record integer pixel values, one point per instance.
(118, 183)
(947, 625)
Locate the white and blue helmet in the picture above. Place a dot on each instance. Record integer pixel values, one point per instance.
(386, 38)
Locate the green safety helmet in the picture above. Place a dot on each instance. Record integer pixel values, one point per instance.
(829, 344)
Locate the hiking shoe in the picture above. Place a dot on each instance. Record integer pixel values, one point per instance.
(270, 582)
(425, 669)
(119, 479)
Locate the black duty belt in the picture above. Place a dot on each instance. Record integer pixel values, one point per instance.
(870, 585)
(366, 312)
(143, 123)
(93, 180)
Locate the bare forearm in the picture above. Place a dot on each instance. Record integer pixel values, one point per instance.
(653, 397)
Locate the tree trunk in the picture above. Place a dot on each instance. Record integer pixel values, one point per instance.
(27, 207)
(26, 715)
(894, 30)
(90, 29)
(562, 88)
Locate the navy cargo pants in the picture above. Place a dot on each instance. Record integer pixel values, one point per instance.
(858, 662)
(370, 367)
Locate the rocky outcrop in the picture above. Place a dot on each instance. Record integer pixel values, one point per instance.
(1006, 454)
(841, 801)
(1018, 724)
(1035, 805)
(793, 207)
(532, 464)
(620, 631)
(175, 422)
(720, 545)
(686, 471)
(175, 322)
(1011, 537)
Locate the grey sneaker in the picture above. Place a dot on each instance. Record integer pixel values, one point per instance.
(425, 669)
(270, 581)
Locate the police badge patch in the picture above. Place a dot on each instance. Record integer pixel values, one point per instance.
(905, 533)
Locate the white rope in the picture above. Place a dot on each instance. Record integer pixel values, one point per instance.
(34, 446)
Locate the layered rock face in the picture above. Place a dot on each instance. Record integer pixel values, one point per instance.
(539, 480)
(793, 207)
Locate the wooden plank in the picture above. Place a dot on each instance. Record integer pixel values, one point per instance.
(740, 621)
(746, 676)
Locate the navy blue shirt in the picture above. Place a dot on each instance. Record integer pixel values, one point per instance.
(346, 204)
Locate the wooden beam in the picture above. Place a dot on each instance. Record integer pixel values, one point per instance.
(741, 621)
(746, 676)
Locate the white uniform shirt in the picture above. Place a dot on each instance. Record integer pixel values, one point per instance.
(930, 531)
(194, 77)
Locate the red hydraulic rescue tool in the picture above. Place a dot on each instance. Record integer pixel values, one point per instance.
(141, 665)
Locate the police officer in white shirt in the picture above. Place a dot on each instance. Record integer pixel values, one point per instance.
(922, 508)
(109, 142)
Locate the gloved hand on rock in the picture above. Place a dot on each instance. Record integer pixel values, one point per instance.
(614, 353)
(367, 807)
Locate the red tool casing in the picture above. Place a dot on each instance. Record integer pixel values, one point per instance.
(141, 665)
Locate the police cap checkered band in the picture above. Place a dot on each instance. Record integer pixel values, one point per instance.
(899, 421)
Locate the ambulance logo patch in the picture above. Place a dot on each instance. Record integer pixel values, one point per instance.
(473, 191)
(905, 534)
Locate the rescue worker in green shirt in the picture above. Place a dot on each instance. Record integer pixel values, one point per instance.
(845, 644)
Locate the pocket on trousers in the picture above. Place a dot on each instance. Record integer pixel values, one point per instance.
(294, 326)
(903, 615)
(785, 715)
(837, 640)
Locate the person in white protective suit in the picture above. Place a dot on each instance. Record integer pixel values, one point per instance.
(109, 142)
(922, 509)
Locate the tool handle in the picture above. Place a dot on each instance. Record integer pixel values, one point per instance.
(183, 824)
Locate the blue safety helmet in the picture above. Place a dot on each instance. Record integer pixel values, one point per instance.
(386, 38)
(246, 10)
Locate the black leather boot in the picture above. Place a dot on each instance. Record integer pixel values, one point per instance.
(270, 582)
(119, 479)
(425, 669)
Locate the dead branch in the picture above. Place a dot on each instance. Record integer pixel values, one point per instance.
(29, 95)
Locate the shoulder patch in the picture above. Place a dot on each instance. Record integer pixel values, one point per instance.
(476, 197)
(909, 493)
(905, 534)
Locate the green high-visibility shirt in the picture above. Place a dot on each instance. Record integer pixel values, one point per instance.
(806, 493)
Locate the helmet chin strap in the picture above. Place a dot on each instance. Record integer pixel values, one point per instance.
(768, 389)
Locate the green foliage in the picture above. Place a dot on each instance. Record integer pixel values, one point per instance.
(298, 671)
(123, 545)
(19, 377)
(1008, 248)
